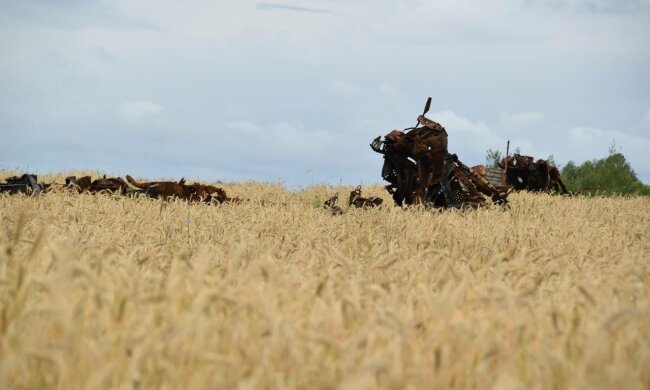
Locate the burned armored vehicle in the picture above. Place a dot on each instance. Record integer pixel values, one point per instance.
(421, 171)
(523, 173)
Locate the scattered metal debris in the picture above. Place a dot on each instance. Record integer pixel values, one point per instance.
(330, 205)
(195, 192)
(161, 189)
(27, 184)
(209, 194)
(359, 202)
(113, 185)
(422, 172)
(355, 200)
(81, 184)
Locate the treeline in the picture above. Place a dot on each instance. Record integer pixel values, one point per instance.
(610, 175)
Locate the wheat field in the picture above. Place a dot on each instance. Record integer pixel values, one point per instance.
(103, 291)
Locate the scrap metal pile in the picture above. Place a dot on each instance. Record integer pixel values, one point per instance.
(194, 192)
(524, 173)
(421, 171)
(26, 184)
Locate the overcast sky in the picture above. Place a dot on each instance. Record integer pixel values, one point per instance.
(295, 90)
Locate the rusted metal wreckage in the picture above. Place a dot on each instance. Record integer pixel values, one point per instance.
(194, 192)
(26, 184)
(114, 185)
(355, 200)
(421, 171)
(523, 173)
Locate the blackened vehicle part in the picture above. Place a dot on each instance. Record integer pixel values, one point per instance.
(27, 184)
(523, 173)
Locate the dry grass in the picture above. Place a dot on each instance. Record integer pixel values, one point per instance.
(115, 292)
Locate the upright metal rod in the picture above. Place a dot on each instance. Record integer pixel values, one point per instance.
(507, 154)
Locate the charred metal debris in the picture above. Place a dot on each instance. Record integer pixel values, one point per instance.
(421, 171)
(194, 192)
(524, 173)
(330, 204)
(355, 200)
(26, 184)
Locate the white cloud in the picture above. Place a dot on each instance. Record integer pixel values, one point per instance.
(285, 150)
(646, 118)
(274, 142)
(467, 138)
(587, 143)
(343, 88)
(389, 90)
(584, 140)
(593, 6)
(137, 110)
(521, 119)
(459, 126)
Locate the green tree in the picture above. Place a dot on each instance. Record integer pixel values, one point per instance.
(492, 158)
(612, 175)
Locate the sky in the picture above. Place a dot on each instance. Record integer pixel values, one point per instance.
(294, 91)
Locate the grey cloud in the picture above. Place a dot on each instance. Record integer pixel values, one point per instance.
(294, 8)
(593, 6)
(74, 14)
(99, 53)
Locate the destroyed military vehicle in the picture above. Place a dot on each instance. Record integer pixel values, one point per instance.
(421, 171)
